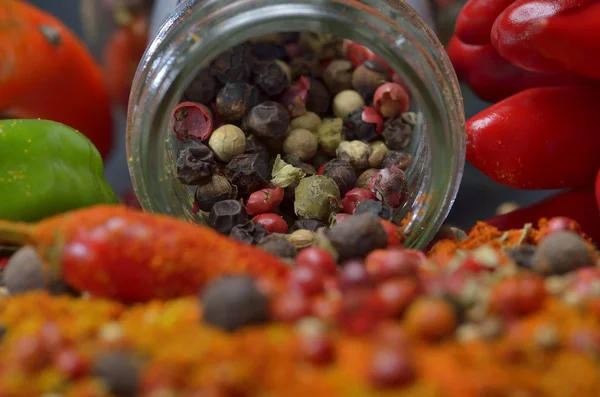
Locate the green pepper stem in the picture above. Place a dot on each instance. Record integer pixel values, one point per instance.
(15, 232)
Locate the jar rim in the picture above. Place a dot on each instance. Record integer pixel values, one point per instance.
(390, 29)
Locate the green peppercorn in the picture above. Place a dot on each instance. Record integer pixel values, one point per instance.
(364, 178)
(329, 135)
(218, 189)
(309, 121)
(317, 197)
(346, 101)
(227, 141)
(562, 252)
(268, 121)
(342, 174)
(355, 152)
(248, 172)
(378, 152)
(338, 76)
(235, 100)
(285, 174)
(294, 160)
(302, 143)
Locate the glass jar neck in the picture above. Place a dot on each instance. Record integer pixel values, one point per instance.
(199, 32)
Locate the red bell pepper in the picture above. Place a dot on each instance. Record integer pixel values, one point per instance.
(475, 21)
(493, 78)
(579, 205)
(541, 138)
(551, 36)
(46, 72)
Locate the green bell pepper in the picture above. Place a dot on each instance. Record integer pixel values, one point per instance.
(47, 168)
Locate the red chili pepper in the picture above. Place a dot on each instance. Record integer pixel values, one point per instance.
(598, 189)
(493, 78)
(48, 73)
(551, 35)
(132, 256)
(541, 138)
(579, 205)
(475, 21)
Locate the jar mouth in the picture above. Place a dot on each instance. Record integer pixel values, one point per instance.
(397, 35)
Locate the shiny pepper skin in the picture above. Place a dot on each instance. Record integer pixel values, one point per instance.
(119, 253)
(598, 189)
(550, 35)
(541, 138)
(493, 78)
(264, 200)
(475, 21)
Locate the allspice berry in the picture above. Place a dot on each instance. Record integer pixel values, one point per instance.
(235, 100)
(378, 152)
(329, 135)
(346, 101)
(227, 141)
(309, 121)
(268, 121)
(317, 197)
(368, 76)
(342, 174)
(218, 189)
(338, 75)
(560, 253)
(302, 143)
(355, 152)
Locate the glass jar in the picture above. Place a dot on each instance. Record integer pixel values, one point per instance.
(199, 30)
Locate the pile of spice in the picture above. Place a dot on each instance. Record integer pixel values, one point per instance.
(488, 313)
(294, 131)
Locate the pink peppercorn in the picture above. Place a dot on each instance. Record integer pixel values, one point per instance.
(318, 259)
(264, 200)
(273, 223)
(355, 197)
(307, 280)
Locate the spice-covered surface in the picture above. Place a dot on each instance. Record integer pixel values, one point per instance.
(293, 128)
(490, 313)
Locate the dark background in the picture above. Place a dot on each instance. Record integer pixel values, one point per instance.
(478, 197)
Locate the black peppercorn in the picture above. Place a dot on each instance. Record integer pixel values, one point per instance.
(226, 214)
(234, 100)
(195, 165)
(289, 37)
(218, 189)
(338, 76)
(268, 121)
(394, 158)
(233, 65)
(308, 224)
(118, 372)
(254, 146)
(270, 78)
(248, 172)
(318, 99)
(368, 76)
(342, 174)
(25, 271)
(397, 134)
(249, 233)
(562, 252)
(233, 302)
(278, 245)
(268, 51)
(354, 128)
(357, 235)
(307, 65)
(203, 88)
(382, 210)
(297, 162)
(522, 256)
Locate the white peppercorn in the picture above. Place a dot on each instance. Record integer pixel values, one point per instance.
(309, 121)
(378, 152)
(355, 152)
(346, 101)
(302, 143)
(302, 238)
(227, 142)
